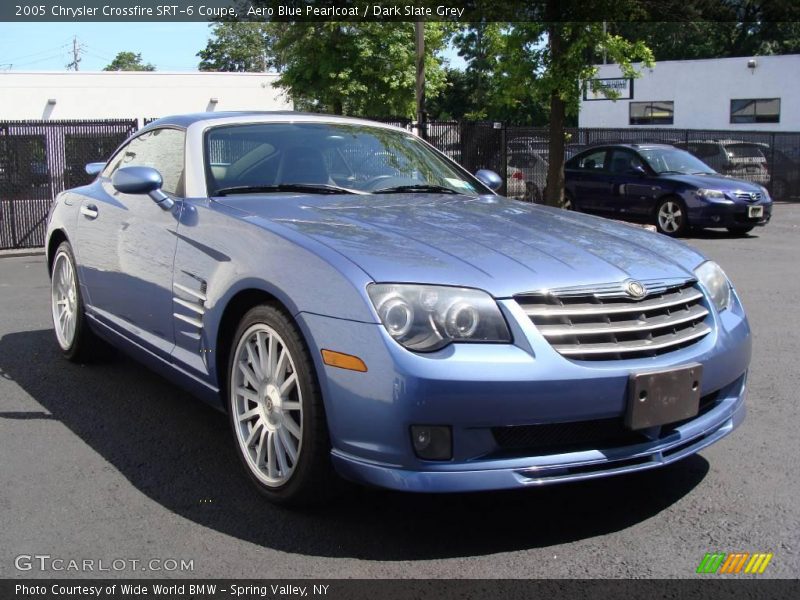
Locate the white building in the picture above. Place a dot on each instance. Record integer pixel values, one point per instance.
(133, 94)
(760, 93)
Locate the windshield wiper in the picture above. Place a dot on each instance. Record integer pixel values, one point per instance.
(671, 172)
(309, 188)
(421, 188)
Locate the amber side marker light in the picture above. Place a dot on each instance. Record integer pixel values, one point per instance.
(343, 361)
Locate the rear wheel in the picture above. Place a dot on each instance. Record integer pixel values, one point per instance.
(671, 217)
(780, 190)
(276, 410)
(73, 335)
(532, 193)
(569, 203)
(741, 229)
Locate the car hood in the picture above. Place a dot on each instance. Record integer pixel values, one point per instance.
(491, 243)
(717, 182)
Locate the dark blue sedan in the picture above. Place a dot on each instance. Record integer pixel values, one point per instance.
(663, 185)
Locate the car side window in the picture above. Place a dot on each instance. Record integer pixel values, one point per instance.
(161, 149)
(624, 162)
(593, 161)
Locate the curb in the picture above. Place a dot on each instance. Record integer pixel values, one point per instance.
(21, 252)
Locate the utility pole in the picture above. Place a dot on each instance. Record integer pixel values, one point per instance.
(419, 28)
(605, 32)
(76, 54)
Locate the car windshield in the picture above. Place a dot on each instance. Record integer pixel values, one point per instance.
(673, 160)
(327, 158)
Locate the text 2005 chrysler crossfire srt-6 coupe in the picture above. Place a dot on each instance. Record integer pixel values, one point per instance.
(360, 304)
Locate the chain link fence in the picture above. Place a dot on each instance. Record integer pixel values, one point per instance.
(39, 159)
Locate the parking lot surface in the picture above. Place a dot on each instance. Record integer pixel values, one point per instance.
(109, 461)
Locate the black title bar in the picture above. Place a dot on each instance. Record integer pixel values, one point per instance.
(468, 11)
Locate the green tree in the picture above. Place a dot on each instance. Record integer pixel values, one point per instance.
(718, 39)
(716, 29)
(566, 61)
(238, 46)
(129, 61)
(364, 68)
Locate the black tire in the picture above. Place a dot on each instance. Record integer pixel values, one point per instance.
(741, 229)
(84, 345)
(532, 193)
(780, 190)
(678, 225)
(569, 202)
(312, 479)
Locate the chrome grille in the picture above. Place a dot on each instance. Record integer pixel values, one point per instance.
(749, 196)
(604, 323)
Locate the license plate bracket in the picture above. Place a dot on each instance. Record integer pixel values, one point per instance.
(755, 212)
(660, 397)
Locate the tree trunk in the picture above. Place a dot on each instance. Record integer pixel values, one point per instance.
(554, 190)
(337, 107)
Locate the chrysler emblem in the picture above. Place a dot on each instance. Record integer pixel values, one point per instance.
(635, 289)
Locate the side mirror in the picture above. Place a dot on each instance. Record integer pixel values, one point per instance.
(490, 179)
(142, 180)
(94, 168)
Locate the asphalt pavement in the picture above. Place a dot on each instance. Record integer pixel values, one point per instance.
(109, 462)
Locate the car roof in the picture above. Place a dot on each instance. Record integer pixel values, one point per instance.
(277, 116)
(630, 146)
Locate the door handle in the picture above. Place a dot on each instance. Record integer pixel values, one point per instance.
(89, 211)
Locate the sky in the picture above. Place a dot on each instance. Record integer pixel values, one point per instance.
(48, 46)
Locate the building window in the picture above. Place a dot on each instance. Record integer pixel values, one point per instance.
(758, 110)
(652, 113)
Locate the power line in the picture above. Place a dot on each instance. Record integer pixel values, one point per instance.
(46, 51)
(38, 60)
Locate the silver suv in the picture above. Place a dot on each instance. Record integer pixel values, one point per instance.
(736, 158)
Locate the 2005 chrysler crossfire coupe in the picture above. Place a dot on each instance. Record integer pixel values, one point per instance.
(360, 304)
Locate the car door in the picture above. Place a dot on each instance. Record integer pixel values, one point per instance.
(589, 180)
(634, 188)
(127, 244)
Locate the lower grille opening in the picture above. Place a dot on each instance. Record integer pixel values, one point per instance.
(578, 436)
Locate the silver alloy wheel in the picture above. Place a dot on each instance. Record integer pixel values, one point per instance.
(670, 216)
(64, 299)
(567, 203)
(267, 405)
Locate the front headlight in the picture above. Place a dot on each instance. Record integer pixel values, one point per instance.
(428, 317)
(716, 283)
(765, 192)
(711, 194)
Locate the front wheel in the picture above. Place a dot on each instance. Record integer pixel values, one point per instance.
(276, 410)
(73, 335)
(671, 217)
(741, 229)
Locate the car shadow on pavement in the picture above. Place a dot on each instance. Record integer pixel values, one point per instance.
(718, 234)
(179, 452)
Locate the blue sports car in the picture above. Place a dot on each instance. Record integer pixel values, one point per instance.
(361, 305)
(663, 185)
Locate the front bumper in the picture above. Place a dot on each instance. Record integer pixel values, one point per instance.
(477, 389)
(717, 214)
(683, 441)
